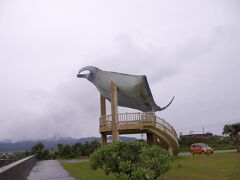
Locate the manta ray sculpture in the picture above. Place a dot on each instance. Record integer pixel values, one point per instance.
(133, 90)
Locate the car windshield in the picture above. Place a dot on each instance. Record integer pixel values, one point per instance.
(199, 146)
(205, 146)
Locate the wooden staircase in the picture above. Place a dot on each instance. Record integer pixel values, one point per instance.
(157, 129)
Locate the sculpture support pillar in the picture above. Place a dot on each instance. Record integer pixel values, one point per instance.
(103, 139)
(114, 109)
(103, 109)
(151, 139)
(103, 119)
(170, 150)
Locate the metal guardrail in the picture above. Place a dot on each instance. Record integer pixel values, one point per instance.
(140, 118)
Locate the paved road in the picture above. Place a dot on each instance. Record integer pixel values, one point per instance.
(216, 151)
(49, 169)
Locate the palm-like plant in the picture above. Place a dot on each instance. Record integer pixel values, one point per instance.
(233, 130)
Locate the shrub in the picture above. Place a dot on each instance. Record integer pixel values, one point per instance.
(131, 160)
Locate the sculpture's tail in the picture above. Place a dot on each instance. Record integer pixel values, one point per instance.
(166, 105)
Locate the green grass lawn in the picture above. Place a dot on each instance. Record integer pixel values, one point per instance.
(216, 166)
(82, 171)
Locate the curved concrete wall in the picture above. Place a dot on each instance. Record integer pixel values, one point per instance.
(18, 170)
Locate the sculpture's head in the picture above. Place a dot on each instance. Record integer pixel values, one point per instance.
(87, 72)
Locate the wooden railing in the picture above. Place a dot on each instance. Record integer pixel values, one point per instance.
(141, 119)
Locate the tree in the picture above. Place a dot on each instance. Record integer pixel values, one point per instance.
(60, 149)
(76, 148)
(67, 151)
(131, 160)
(38, 150)
(233, 130)
(45, 154)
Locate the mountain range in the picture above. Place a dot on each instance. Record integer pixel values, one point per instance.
(50, 143)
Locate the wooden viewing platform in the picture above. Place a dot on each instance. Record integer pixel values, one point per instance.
(134, 123)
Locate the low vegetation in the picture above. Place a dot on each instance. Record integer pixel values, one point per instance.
(131, 160)
(222, 166)
(63, 151)
(231, 141)
(82, 170)
(216, 142)
(233, 130)
(219, 166)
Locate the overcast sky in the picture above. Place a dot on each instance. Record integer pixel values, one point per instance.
(187, 49)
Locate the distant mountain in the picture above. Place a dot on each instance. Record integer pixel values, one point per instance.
(50, 143)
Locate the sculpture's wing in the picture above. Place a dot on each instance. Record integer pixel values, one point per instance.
(137, 94)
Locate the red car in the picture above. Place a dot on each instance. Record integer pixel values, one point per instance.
(200, 148)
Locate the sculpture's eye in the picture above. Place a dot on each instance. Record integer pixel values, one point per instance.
(83, 74)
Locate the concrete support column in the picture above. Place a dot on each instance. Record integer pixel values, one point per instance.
(103, 108)
(154, 139)
(103, 119)
(114, 109)
(151, 139)
(103, 105)
(103, 139)
(170, 150)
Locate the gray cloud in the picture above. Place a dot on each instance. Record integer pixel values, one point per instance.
(191, 53)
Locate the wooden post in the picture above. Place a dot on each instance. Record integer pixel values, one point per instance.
(154, 139)
(103, 108)
(150, 139)
(114, 110)
(103, 119)
(170, 150)
(103, 139)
